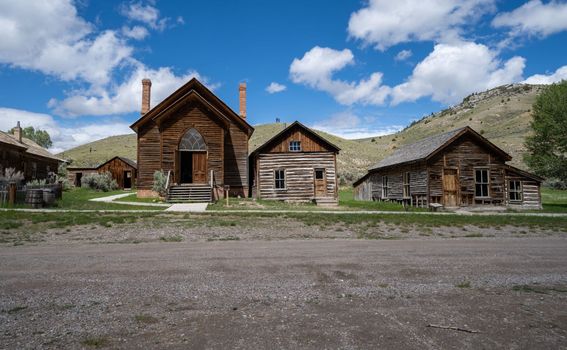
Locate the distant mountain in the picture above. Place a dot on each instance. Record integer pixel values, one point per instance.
(502, 114)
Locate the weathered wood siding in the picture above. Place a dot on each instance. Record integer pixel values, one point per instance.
(363, 190)
(116, 167)
(236, 160)
(308, 143)
(72, 173)
(12, 157)
(299, 175)
(418, 183)
(465, 155)
(149, 155)
(173, 129)
(531, 192)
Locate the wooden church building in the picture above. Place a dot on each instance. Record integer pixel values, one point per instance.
(194, 138)
(459, 168)
(296, 164)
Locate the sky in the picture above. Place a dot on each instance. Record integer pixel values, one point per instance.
(352, 68)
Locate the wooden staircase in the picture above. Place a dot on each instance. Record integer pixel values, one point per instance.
(326, 201)
(201, 193)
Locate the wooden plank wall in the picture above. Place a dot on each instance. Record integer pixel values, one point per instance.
(418, 182)
(465, 155)
(72, 173)
(11, 157)
(363, 192)
(116, 168)
(149, 155)
(299, 168)
(173, 129)
(531, 192)
(308, 144)
(235, 160)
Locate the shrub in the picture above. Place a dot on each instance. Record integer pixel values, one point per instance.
(64, 182)
(10, 175)
(100, 182)
(160, 181)
(37, 183)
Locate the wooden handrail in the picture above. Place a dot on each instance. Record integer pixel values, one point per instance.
(167, 181)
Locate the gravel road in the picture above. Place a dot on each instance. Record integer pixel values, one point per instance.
(289, 294)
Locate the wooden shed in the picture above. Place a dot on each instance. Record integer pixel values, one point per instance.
(122, 169)
(459, 168)
(195, 138)
(297, 164)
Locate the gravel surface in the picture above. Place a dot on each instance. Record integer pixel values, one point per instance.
(259, 294)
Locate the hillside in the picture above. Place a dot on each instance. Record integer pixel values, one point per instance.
(502, 115)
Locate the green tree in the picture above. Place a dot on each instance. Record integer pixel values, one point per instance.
(41, 137)
(547, 147)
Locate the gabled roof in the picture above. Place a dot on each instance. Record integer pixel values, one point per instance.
(525, 173)
(28, 145)
(191, 89)
(130, 162)
(295, 124)
(430, 146)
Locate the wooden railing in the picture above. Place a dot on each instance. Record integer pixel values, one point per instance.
(167, 182)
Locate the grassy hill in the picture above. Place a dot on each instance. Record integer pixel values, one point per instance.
(501, 114)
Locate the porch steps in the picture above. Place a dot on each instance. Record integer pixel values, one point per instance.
(326, 202)
(189, 193)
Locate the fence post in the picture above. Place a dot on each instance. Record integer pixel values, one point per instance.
(12, 193)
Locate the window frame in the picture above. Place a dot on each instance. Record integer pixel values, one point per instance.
(385, 186)
(406, 180)
(518, 190)
(294, 146)
(322, 173)
(482, 184)
(279, 180)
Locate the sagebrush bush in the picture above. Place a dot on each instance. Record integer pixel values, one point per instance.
(66, 185)
(160, 181)
(99, 182)
(10, 175)
(37, 183)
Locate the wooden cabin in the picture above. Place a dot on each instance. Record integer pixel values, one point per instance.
(459, 168)
(195, 138)
(122, 169)
(297, 164)
(34, 161)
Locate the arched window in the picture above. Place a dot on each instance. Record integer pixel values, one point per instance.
(192, 141)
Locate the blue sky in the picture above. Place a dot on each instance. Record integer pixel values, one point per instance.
(352, 68)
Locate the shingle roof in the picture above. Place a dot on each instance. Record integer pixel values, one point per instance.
(417, 151)
(27, 144)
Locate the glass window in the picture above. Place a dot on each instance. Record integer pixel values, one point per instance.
(406, 185)
(481, 183)
(295, 146)
(515, 192)
(279, 177)
(384, 186)
(192, 141)
(319, 174)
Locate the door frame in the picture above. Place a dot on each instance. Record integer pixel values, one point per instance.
(324, 181)
(457, 186)
(177, 166)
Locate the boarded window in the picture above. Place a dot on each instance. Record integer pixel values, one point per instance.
(384, 186)
(279, 177)
(192, 141)
(481, 183)
(295, 146)
(406, 185)
(515, 193)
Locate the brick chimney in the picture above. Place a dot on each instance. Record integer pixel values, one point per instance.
(242, 99)
(146, 92)
(18, 132)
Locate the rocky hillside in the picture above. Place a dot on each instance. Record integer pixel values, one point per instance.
(501, 114)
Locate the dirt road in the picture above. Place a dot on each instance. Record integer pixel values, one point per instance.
(348, 294)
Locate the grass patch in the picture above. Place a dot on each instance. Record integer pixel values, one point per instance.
(475, 235)
(147, 319)
(346, 199)
(464, 284)
(16, 309)
(174, 238)
(227, 238)
(95, 342)
(554, 201)
(78, 198)
(134, 199)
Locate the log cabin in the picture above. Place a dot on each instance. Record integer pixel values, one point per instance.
(122, 169)
(459, 168)
(194, 138)
(296, 164)
(23, 154)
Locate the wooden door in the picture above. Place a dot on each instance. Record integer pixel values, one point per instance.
(450, 187)
(199, 167)
(127, 179)
(320, 183)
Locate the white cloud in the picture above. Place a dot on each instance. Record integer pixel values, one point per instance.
(135, 32)
(557, 76)
(350, 126)
(63, 137)
(123, 98)
(384, 23)
(275, 88)
(534, 18)
(451, 72)
(145, 14)
(316, 68)
(403, 55)
(49, 36)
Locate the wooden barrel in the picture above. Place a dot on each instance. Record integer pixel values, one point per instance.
(49, 195)
(34, 197)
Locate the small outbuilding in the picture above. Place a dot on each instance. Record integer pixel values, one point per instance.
(459, 168)
(297, 164)
(122, 169)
